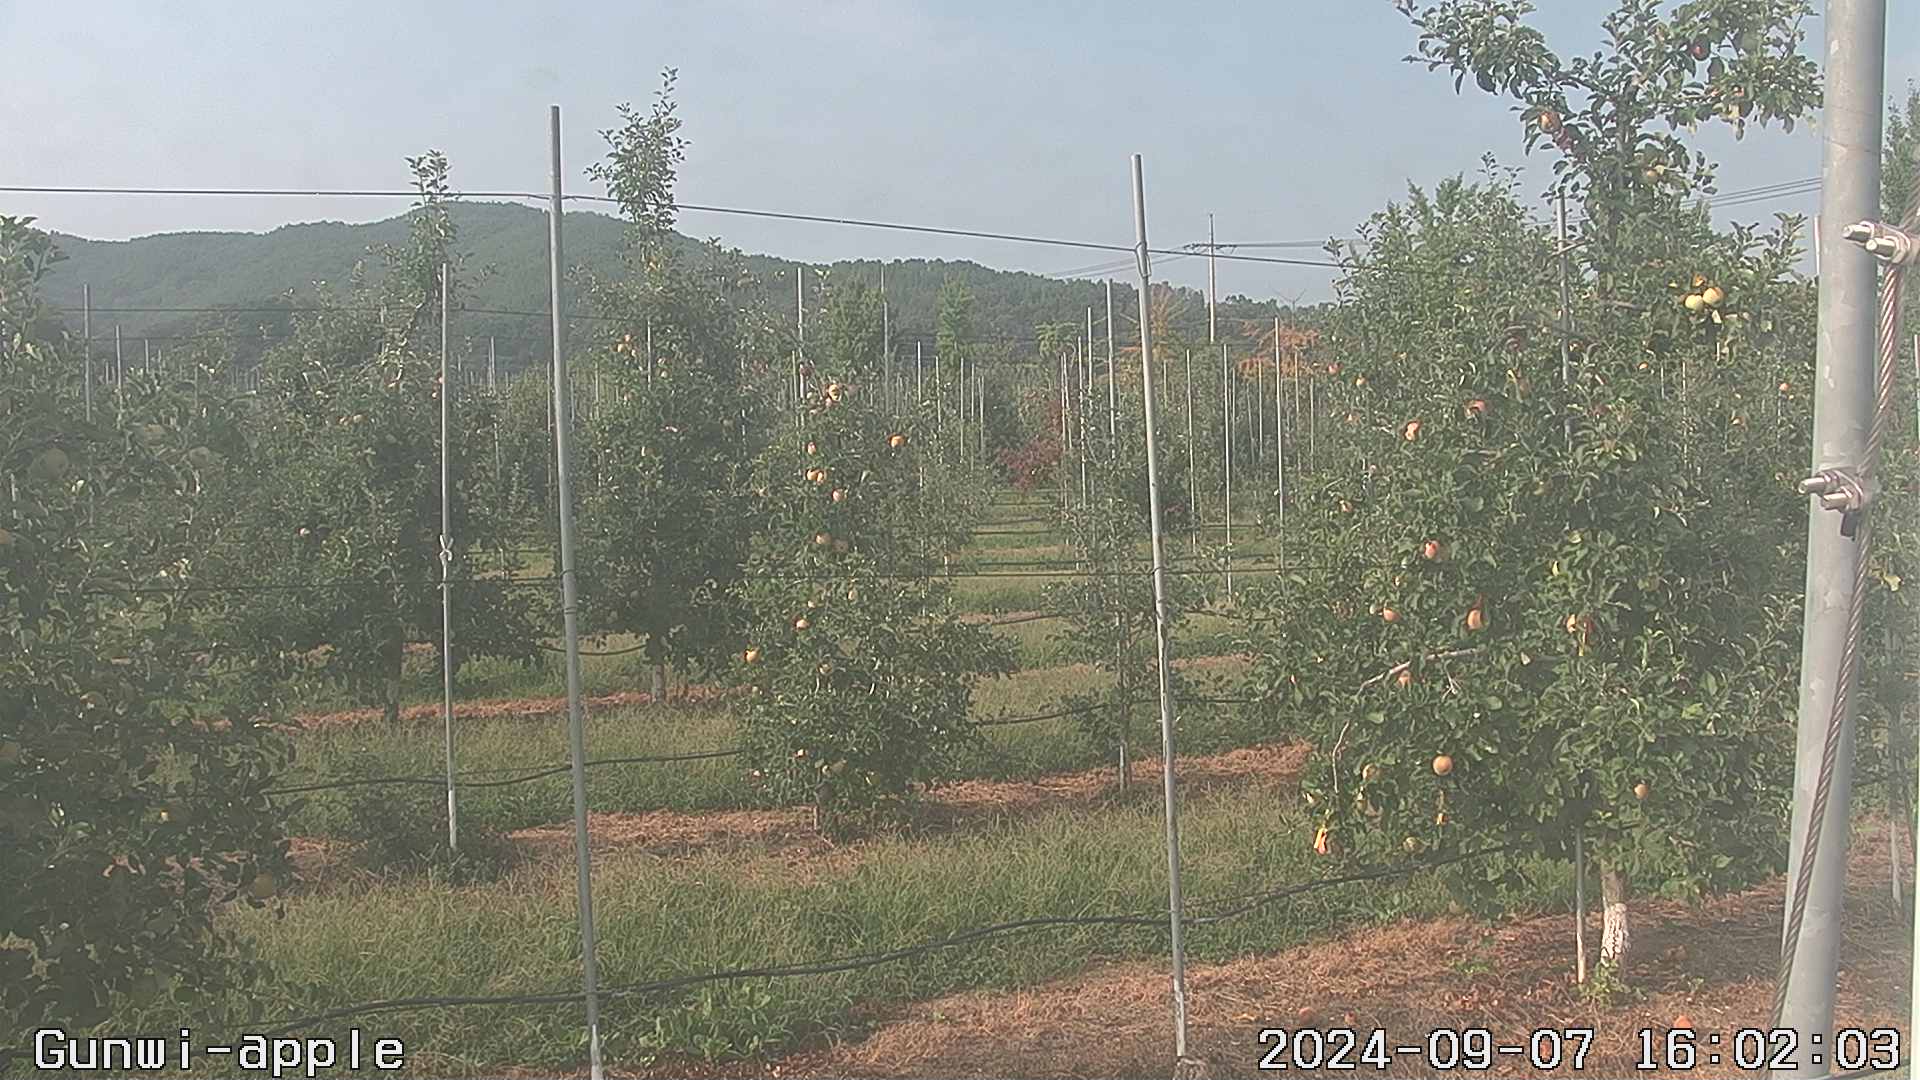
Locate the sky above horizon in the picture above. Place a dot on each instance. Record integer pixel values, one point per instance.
(1286, 122)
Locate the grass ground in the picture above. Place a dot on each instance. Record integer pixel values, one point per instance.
(718, 909)
(501, 746)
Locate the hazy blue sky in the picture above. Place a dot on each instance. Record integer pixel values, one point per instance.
(1287, 120)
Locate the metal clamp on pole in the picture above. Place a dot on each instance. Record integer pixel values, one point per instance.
(1888, 243)
(1840, 489)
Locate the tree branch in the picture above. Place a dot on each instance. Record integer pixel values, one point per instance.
(1451, 654)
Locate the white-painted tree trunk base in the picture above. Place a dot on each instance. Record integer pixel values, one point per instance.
(1614, 935)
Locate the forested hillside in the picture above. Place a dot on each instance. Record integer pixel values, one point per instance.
(253, 273)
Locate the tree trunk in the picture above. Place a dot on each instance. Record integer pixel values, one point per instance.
(396, 658)
(657, 653)
(1613, 918)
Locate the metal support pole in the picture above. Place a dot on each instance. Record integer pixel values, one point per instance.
(1213, 294)
(446, 564)
(1257, 417)
(1160, 626)
(1226, 442)
(86, 331)
(960, 408)
(1566, 305)
(1580, 906)
(1113, 401)
(919, 375)
(1843, 407)
(886, 342)
(1066, 444)
(1193, 455)
(119, 363)
(570, 613)
(1279, 445)
(1086, 406)
(1079, 415)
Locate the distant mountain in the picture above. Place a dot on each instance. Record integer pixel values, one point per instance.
(147, 286)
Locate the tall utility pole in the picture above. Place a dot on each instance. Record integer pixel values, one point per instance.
(570, 615)
(119, 362)
(446, 564)
(1160, 628)
(1842, 411)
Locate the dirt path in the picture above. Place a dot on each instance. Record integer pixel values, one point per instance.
(1710, 967)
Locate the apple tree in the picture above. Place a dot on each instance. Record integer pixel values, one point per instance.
(1544, 614)
(342, 525)
(659, 501)
(861, 673)
(131, 808)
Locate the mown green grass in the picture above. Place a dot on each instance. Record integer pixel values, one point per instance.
(498, 747)
(659, 919)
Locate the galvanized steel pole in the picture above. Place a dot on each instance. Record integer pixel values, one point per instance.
(86, 331)
(446, 564)
(570, 614)
(1226, 442)
(1279, 444)
(1842, 410)
(1113, 400)
(1174, 906)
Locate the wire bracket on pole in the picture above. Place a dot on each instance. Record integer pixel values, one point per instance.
(1843, 489)
(1888, 243)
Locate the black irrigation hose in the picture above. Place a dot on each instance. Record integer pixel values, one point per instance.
(1038, 616)
(543, 646)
